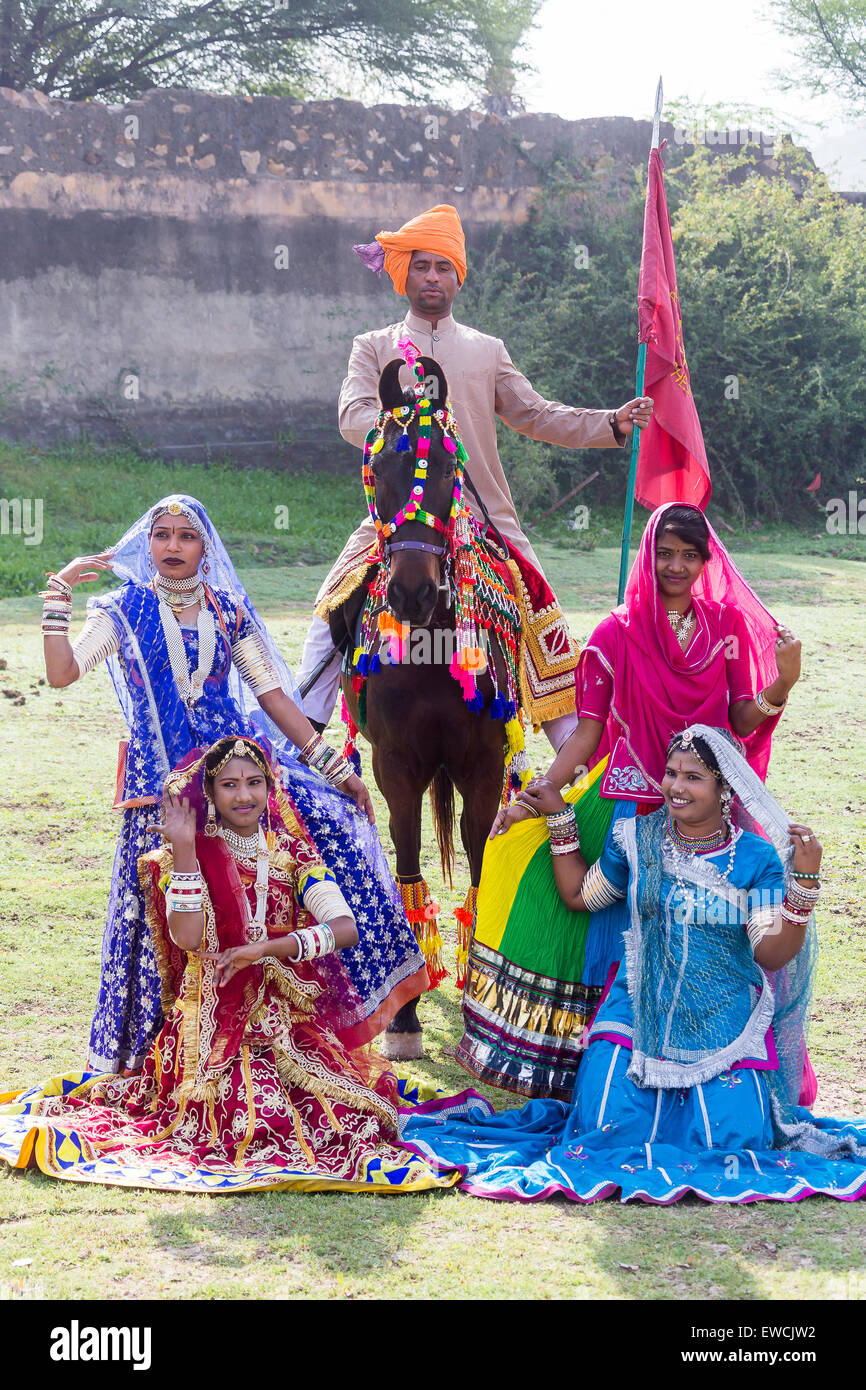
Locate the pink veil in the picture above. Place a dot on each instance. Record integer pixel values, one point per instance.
(658, 688)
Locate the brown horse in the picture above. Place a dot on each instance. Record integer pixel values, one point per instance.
(422, 732)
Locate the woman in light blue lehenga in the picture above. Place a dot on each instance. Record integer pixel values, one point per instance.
(191, 661)
(690, 1082)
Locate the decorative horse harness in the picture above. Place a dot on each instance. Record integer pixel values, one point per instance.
(482, 597)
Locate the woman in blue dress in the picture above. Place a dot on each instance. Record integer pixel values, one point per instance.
(191, 661)
(691, 1077)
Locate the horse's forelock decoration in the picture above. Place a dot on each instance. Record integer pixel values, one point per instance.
(482, 600)
(413, 510)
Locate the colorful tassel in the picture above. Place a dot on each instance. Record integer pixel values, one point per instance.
(422, 913)
(465, 916)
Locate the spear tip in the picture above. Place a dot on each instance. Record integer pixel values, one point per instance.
(657, 114)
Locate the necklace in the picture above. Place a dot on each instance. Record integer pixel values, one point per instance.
(253, 846)
(680, 847)
(682, 623)
(190, 687)
(700, 844)
(241, 846)
(180, 593)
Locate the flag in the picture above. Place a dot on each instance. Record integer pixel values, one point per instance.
(672, 464)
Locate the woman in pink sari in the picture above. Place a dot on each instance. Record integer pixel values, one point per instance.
(692, 643)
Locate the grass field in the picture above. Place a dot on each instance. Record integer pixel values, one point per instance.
(56, 844)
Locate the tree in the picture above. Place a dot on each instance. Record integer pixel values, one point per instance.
(770, 274)
(831, 38)
(115, 49)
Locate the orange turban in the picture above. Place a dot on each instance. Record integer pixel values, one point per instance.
(439, 230)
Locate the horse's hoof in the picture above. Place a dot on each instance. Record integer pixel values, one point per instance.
(402, 1047)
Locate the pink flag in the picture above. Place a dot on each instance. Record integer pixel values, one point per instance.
(672, 464)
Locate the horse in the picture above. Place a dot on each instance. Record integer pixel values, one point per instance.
(423, 733)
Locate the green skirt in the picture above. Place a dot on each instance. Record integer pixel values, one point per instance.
(534, 975)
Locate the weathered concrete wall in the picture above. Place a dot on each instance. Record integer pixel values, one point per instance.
(178, 272)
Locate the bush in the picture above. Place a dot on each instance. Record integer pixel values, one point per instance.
(770, 273)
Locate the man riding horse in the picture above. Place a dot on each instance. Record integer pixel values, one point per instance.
(426, 260)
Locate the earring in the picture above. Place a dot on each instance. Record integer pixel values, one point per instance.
(727, 797)
(210, 827)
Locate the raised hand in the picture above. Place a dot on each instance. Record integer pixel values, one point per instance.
(177, 824)
(85, 568)
(807, 849)
(788, 654)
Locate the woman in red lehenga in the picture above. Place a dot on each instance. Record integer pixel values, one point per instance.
(252, 1082)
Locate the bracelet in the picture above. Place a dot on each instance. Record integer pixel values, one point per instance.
(805, 895)
(337, 770)
(56, 612)
(764, 704)
(315, 753)
(314, 942)
(556, 818)
(797, 919)
(55, 582)
(565, 847)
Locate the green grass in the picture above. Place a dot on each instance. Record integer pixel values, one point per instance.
(89, 500)
(57, 835)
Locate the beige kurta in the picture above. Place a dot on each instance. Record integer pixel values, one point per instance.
(483, 382)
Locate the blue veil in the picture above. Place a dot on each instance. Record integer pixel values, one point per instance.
(132, 561)
(754, 809)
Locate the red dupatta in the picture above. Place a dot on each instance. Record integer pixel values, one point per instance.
(216, 1018)
(659, 689)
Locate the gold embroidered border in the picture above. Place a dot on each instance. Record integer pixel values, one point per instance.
(251, 1105)
(542, 704)
(345, 586)
(355, 1094)
(162, 857)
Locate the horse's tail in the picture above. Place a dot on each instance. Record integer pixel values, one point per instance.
(442, 801)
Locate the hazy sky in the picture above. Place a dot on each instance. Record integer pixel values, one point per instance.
(605, 59)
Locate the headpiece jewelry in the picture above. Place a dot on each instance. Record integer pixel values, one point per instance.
(176, 508)
(241, 748)
(686, 743)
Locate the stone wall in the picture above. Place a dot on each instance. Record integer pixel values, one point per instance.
(177, 272)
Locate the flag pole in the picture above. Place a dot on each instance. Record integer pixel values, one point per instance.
(639, 385)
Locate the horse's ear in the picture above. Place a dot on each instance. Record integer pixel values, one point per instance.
(392, 394)
(390, 390)
(435, 383)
